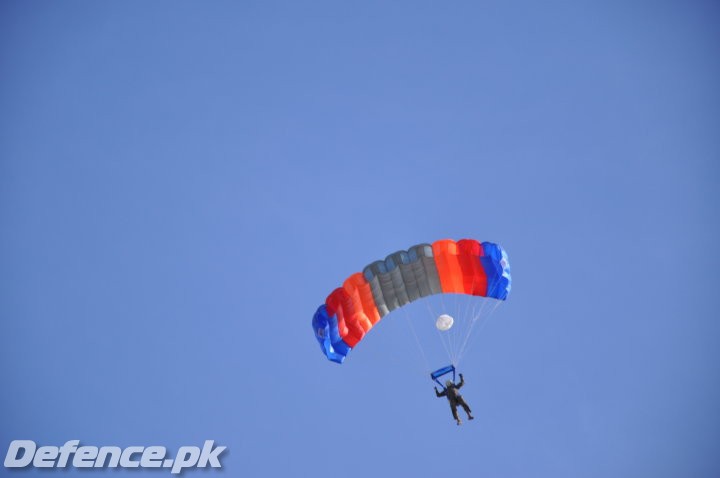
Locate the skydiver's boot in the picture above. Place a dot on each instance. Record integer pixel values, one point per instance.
(459, 421)
(467, 409)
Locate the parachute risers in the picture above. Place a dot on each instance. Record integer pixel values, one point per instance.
(463, 267)
(443, 371)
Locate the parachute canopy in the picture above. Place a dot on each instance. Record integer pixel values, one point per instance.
(443, 267)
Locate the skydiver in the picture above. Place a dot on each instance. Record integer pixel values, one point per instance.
(455, 399)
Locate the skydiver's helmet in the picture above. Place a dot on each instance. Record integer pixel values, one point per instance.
(448, 383)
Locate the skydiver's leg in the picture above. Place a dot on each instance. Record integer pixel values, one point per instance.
(466, 407)
(453, 407)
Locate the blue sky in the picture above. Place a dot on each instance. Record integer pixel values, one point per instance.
(183, 183)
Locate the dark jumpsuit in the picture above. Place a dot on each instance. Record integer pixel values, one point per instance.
(454, 397)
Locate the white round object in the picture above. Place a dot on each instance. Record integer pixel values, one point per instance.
(444, 322)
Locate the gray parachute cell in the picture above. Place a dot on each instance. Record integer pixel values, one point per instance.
(394, 263)
(422, 260)
(403, 277)
(373, 274)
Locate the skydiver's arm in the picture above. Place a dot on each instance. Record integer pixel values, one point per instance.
(439, 394)
(462, 382)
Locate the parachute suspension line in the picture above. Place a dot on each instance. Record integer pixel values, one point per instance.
(480, 315)
(440, 335)
(445, 339)
(469, 323)
(450, 334)
(417, 341)
(482, 326)
(447, 335)
(454, 337)
(464, 332)
(451, 348)
(459, 330)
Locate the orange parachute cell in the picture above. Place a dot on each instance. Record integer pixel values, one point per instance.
(359, 290)
(446, 259)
